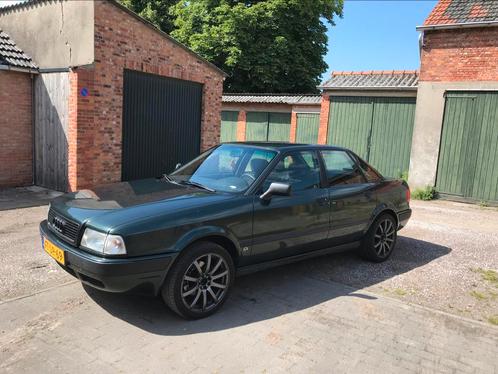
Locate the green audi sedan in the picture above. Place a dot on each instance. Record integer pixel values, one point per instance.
(235, 209)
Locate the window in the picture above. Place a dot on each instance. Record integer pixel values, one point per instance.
(301, 170)
(371, 175)
(258, 162)
(227, 168)
(341, 169)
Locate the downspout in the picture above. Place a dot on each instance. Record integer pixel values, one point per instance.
(420, 43)
(33, 130)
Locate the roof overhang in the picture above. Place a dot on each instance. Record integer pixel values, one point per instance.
(371, 88)
(457, 26)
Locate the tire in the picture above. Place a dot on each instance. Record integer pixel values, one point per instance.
(380, 240)
(200, 281)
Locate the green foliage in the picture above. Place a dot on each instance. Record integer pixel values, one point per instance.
(155, 11)
(426, 193)
(478, 295)
(493, 320)
(404, 175)
(264, 45)
(488, 275)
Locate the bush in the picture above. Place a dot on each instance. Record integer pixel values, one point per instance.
(427, 193)
(404, 176)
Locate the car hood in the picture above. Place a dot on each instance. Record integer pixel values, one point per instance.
(111, 205)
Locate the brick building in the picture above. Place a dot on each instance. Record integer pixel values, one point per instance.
(455, 137)
(270, 117)
(16, 127)
(114, 95)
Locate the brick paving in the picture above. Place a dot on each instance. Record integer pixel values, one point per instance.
(282, 320)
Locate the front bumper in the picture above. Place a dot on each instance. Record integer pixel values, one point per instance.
(142, 274)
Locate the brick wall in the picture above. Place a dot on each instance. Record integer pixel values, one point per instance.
(243, 108)
(16, 150)
(124, 42)
(469, 54)
(324, 119)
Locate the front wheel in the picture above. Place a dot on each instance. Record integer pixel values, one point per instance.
(199, 282)
(380, 239)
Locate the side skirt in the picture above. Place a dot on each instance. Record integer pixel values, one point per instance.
(288, 260)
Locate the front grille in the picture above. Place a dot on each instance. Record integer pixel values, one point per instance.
(63, 227)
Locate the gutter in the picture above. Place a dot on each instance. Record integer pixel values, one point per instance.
(21, 70)
(458, 25)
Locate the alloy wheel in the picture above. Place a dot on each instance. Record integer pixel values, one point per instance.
(205, 283)
(384, 238)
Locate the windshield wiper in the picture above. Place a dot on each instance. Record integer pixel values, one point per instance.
(195, 184)
(168, 178)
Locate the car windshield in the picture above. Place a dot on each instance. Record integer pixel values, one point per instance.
(227, 168)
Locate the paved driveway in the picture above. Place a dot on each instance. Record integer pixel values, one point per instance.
(417, 312)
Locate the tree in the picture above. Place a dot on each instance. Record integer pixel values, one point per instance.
(264, 45)
(155, 11)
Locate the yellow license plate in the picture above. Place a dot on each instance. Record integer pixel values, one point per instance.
(54, 251)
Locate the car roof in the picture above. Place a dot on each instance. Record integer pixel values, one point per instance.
(285, 146)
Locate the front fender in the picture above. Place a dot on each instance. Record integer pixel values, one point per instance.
(199, 233)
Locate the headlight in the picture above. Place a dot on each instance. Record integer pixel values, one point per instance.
(103, 243)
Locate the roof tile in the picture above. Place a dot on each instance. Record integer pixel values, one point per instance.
(290, 99)
(448, 12)
(384, 79)
(11, 55)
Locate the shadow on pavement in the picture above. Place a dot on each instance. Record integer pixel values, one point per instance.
(275, 292)
(26, 197)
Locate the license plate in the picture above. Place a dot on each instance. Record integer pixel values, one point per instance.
(55, 252)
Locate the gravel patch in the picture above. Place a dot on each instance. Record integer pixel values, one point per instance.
(439, 262)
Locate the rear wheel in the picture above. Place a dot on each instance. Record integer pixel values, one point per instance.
(380, 240)
(200, 281)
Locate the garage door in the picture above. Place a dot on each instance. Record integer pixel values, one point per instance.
(468, 157)
(307, 127)
(228, 126)
(161, 124)
(379, 129)
(266, 126)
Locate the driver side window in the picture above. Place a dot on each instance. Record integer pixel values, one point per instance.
(300, 169)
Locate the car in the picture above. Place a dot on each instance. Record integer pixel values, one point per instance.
(235, 209)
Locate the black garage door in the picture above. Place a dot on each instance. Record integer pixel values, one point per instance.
(161, 124)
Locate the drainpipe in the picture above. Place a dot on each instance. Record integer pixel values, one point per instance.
(33, 131)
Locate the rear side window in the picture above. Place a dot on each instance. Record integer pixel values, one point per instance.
(371, 175)
(341, 169)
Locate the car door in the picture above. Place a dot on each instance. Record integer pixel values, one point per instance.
(290, 225)
(352, 197)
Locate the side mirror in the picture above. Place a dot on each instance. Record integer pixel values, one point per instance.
(280, 189)
(178, 166)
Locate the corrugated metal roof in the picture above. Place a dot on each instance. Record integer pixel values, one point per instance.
(453, 12)
(12, 55)
(383, 80)
(290, 99)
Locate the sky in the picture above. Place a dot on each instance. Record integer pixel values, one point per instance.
(372, 35)
(377, 35)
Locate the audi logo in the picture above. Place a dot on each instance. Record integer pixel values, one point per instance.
(58, 224)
